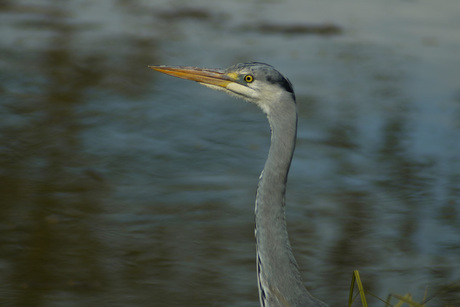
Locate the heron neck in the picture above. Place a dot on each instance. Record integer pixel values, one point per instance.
(276, 265)
(272, 184)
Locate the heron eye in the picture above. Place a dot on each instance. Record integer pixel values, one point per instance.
(248, 78)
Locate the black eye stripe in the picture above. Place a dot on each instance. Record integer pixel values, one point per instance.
(283, 82)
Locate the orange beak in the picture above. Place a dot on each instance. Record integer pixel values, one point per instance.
(201, 75)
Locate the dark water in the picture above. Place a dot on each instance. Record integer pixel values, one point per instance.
(124, 187)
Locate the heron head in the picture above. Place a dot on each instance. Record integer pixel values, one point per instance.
(255, 82)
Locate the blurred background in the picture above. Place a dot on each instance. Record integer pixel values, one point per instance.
(121, 186)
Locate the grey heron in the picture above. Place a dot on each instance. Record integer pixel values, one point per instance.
(278, 275)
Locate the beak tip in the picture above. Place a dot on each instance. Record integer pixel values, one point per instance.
(155, 67)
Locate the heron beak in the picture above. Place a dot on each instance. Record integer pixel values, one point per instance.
(201, 75)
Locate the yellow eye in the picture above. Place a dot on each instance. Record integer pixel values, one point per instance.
(248, 78)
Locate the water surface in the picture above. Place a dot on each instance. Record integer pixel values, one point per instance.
(125, 187)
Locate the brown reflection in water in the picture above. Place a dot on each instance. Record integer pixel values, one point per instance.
(407, 178)
(353, 248)
(297, 29)
(52, 195)
(52, 204)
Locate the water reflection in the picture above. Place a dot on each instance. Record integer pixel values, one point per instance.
(117, 190)
(51, 202)
(53, 196)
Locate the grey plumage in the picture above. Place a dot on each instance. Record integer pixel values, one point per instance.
(278, 275)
